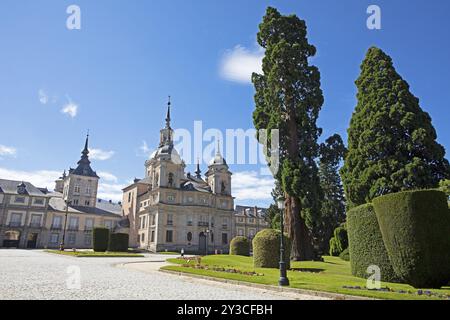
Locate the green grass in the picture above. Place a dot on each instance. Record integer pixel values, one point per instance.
(328, 276)
(169, 253)
(92, 254)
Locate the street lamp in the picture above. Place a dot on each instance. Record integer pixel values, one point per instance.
(206, 242)
(61, 245)
(284, 281)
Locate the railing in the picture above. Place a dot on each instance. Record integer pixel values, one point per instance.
(72, 228)
(15, 224)
(224, 226)
(56, 227)
(35, 225)
(189, 224)
(170, 223)
(203, 224)
(88, 229)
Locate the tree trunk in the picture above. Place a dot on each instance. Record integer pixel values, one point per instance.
(301, 239)
(298, 231)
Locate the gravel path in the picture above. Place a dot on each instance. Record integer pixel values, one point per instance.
(38, 275)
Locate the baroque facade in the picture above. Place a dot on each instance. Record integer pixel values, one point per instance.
(32, 217)
(172, 210)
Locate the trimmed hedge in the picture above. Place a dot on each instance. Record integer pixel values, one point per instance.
(345, 255)
(416, 232)
(240, 246)
(100, 238)
(266, 249)
(366, 245)
(118, 242)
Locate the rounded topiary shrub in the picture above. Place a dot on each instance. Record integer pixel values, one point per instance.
(100, 238)
(339, 242)
(118, 242)
(366, 245)
(266, 249)
(416, 232)
(240, 246)
(345, 255)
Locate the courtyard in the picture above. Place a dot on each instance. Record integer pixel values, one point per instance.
(35, 274)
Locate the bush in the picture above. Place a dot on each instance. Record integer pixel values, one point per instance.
(416, 232)
(266, 249)
(345, 255)
(366, 245)
(100, 237)
(339, 242)
(334, 247)
(118, 242)
(240, 246)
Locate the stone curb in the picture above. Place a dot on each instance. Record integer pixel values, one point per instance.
(334, 296)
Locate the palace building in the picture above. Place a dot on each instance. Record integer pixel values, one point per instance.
(32, 217)
(171, 210)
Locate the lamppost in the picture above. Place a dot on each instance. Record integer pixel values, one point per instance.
(284, 281)
(61, 245)
(206, 244)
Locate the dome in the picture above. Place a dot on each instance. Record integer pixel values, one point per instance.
(166, 150)
(218, 160)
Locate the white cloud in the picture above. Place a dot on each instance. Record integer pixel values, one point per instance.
(7, 151)
(144, 150)
(239, 63)
(107, 176)
(99, 154)
(110, 191)
(70, 109)
(39, 178)
(249, 185)
(43, 97)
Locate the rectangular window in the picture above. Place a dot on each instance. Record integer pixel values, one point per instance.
(73, 224)
(129, 196)
(35, 221)
(170, 198)
(38, 202)
(88, 190)
(143, 237)
(153, 236)
(224, 238)
(87, 203)
(19, 199)
(170, 219)
(225, 223)
(76, 189)
(57, 222)
(54, 237)
(108, 224)
(89, 224)
(189, 221)
(16, 220)
(169, 236)
(87, 239)
(75, 202)
(71, 238)
(241, 220)
(241, 232)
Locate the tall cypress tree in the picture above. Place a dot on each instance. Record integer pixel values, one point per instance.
(288, 97)
(391, 140)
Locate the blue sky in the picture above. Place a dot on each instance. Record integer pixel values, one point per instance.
(129, 55)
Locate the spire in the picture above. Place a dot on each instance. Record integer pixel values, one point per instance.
(168, 114)
(85, 151)
(198, 172)
(218, 147)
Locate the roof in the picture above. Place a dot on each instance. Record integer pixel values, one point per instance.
(103, 208)
(249, 211)
(10, 187)
(84, 165)
(193, 183)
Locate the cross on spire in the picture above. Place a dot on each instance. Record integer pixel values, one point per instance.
(168, 114)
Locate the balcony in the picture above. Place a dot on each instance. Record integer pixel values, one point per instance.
(72, 228)
(88, 229)
(170, 223)
(203, 224)
(56, 227)
(224, 226)
(35, 225)
(15, 224)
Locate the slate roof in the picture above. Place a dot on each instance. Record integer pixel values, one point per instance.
(10, 187)
(250, 211)
(103, 208)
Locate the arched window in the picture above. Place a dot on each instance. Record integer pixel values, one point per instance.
(189, 236)
(170, 179)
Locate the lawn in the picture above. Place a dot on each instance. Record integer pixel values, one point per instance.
(92, 254)
(329, 276)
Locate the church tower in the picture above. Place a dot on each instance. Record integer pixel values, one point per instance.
(218, 175)
(165, 168)
(81, 184)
